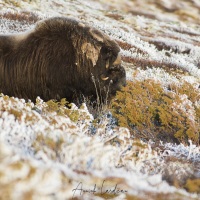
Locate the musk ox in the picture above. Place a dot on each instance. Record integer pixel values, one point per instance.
(60, 57)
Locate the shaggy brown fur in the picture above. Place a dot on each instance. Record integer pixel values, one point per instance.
(57, 59)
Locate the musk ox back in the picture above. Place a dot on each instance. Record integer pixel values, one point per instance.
(60, 57)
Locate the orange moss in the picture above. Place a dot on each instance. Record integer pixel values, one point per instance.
(153, 113)
(193, 185)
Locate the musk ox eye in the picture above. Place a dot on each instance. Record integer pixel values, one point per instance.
(107, 53)
(107, 57)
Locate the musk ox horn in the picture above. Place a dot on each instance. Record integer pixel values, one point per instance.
(56, 60)
(97, 35)
(104, 78)
(107, 64)
(118, 60)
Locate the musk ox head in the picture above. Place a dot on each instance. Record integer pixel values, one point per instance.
(60, 57)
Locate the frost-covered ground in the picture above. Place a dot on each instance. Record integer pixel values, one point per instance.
(56, 153)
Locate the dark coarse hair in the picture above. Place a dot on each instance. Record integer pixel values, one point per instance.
(60, 57)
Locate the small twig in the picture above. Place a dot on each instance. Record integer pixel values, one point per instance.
(111, 138)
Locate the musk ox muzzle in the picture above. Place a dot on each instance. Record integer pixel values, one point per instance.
(59, 58)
